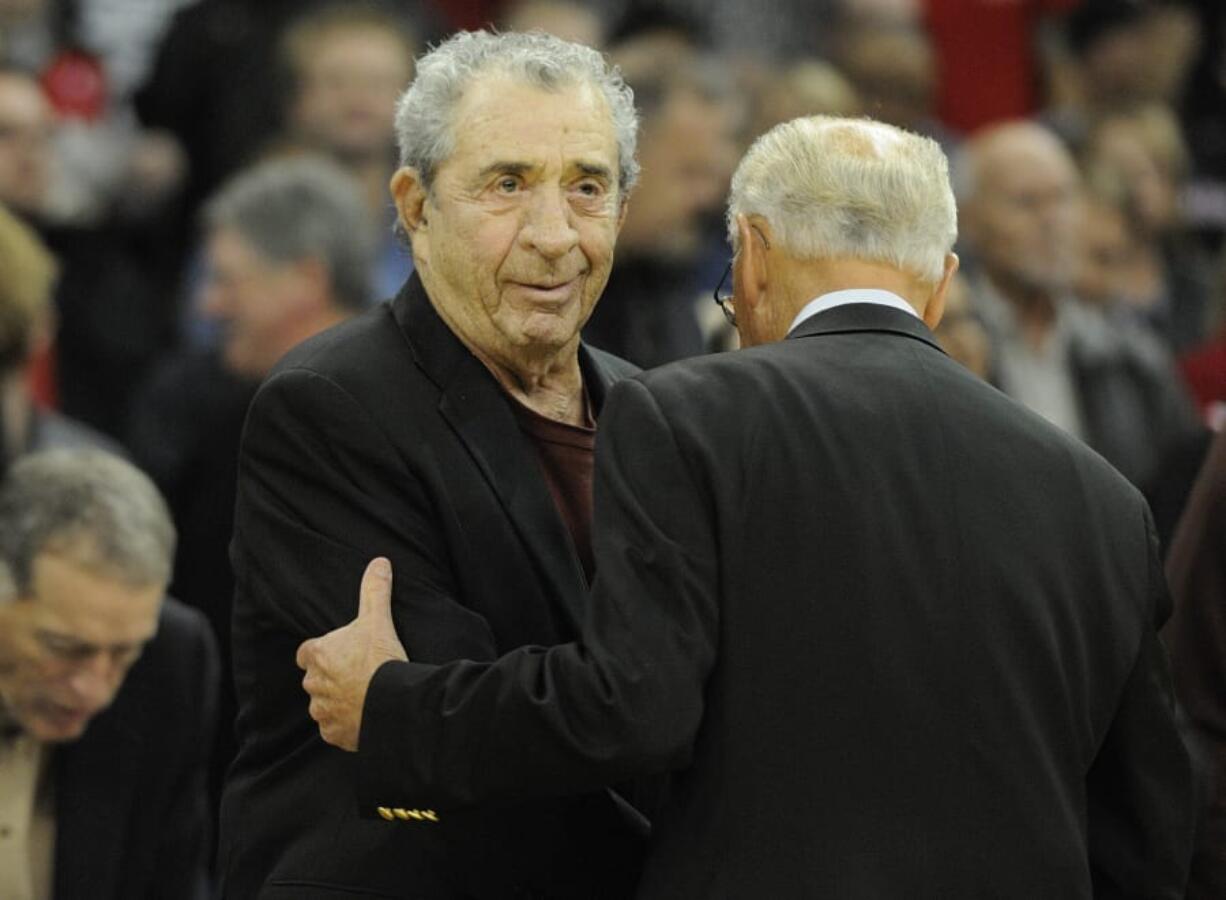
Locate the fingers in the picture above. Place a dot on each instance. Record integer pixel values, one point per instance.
(306, 654)
(375, 596)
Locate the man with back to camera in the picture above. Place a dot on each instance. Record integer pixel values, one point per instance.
(108, 691)
(451, 428)
(894, 634)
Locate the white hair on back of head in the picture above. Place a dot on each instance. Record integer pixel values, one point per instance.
(851, 188)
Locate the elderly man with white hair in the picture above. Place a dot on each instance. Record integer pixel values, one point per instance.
(451, 430)
(836, 598)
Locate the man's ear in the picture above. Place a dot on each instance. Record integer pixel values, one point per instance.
(313, 281)
(749, 279)
(623, 207)
(409, 195)
(934, 309)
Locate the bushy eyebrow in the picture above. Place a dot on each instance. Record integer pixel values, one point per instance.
(595, 170)
(504, 167)
(508, 167)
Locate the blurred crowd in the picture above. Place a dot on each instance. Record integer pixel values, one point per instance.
(190, 187)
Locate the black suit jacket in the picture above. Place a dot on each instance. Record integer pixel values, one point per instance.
(385, 436)
(894, 633)
(130, 804)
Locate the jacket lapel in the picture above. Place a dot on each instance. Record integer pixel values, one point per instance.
(476, 408)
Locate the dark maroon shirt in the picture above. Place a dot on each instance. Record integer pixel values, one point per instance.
(566, 453)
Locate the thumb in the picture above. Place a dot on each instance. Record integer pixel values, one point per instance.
(375, 595)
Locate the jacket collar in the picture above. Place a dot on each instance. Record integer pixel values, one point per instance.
(855, 317)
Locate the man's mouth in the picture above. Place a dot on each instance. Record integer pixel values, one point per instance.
(548, 290)
(67, 717)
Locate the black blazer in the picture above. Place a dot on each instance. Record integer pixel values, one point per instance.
(385, 436)
(894, 633)
(131, 817)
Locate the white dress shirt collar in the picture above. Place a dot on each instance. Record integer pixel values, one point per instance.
(855, 295)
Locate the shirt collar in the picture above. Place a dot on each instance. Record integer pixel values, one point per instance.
(854, 295)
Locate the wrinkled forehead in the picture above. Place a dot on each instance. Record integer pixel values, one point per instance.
(77, 596)
(505, 117)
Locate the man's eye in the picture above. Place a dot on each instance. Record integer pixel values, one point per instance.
(66, 650)
(508, 185)
(590, 188)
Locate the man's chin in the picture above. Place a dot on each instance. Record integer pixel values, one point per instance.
(60, 727)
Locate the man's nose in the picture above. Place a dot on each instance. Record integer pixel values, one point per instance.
(548, 226)
(213, 304)
(94, 681)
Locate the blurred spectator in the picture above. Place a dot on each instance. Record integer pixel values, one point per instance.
(1196, 637)
(26, 131)
(687, 149)
(1174, 45)
(27, 276)
(894, 72)
(566, 19)
(1124, 54)
(1138, 160)
(289, 253)
(107, 690)
(1108, 383)
(213, 85)
(346, 66)
(1105, 250)
(89, 56)
(1130, 52)
(114, 315)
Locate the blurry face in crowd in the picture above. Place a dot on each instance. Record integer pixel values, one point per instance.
(687, 153)
(1152, 194)
(1024, 217)
(1115, 65)
(1106, 248)
(514, 241)
(68, 646)
(254, 298)
(26, 125)
(347, 91)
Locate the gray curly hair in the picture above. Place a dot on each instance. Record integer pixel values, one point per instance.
(425, 111)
